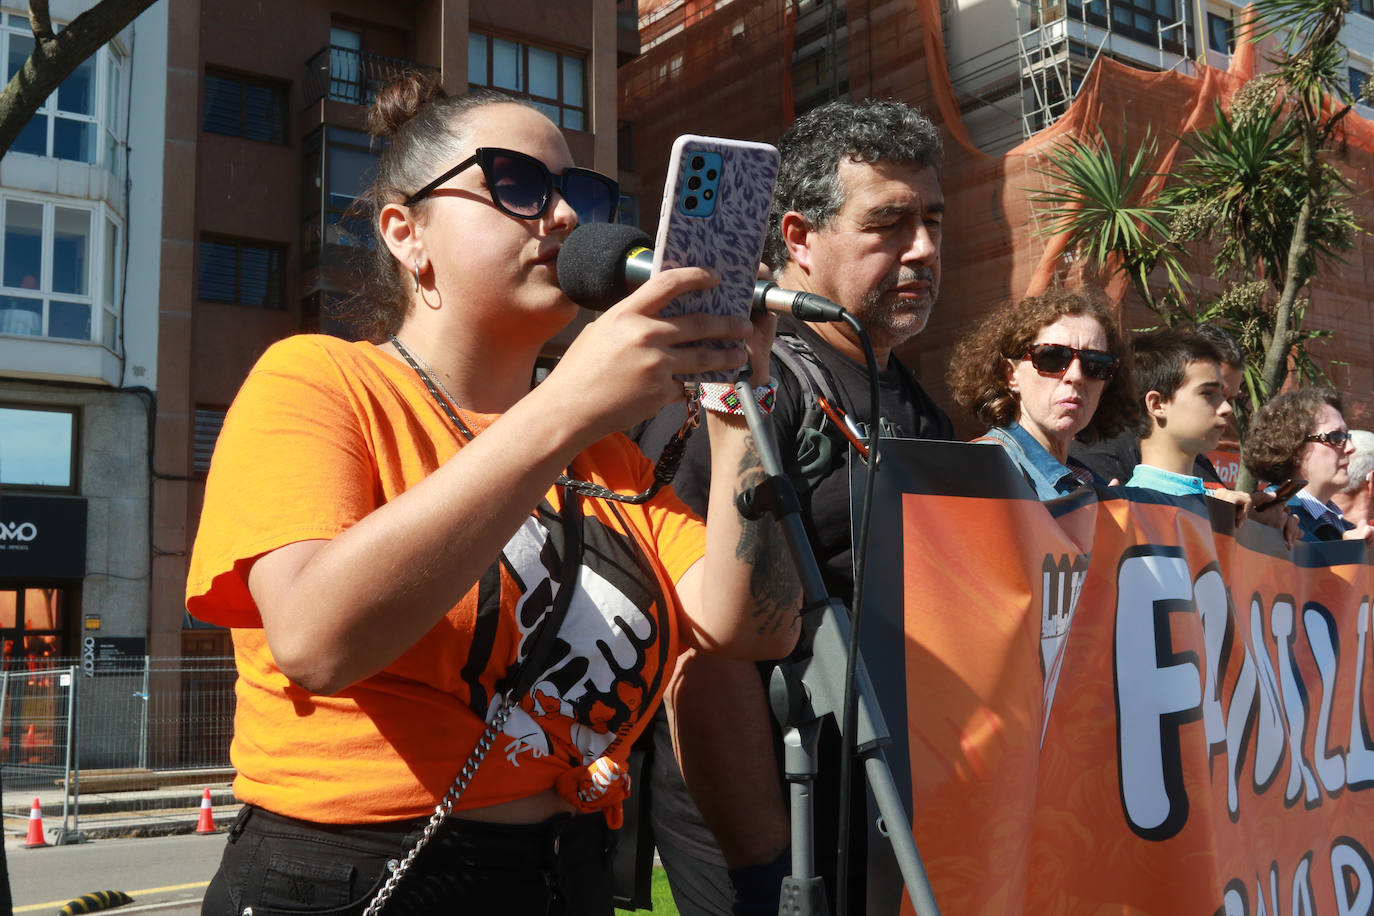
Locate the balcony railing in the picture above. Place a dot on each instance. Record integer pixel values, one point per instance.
(349, 75)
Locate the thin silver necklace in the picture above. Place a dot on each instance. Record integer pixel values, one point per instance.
(429, 374)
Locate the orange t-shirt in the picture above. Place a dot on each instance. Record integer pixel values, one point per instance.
(322, 433)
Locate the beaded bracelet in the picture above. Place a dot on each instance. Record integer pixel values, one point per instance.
(720, 397)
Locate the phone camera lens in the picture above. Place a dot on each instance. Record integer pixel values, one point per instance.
(707, 194)
(689, 202)
(711, 175)
(698, 163)
(693, 183)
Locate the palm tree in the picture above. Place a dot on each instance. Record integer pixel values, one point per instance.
(1096, 199)
(1259, 186)
(1313, 98)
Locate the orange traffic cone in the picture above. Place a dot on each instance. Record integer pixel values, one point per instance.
(35, 837)
(207, 817)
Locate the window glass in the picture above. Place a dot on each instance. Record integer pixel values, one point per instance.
(350, 173)
(114, 117)
(263, 117)
(23, 253)
(1357, 78)
(218, 265)
(21, 315)
(70, 320)
(505, 65)
(73, 140)
(36, 447)
(259, 273)
(572, 119)
(572, 82)
(244, 107)
(1218, 33)
(543, 73)
(111, 250)
(477, 59)
(21, 46)
(71, 243)
(33, 138)
(243, 273)
(221, 105)
(77, 92)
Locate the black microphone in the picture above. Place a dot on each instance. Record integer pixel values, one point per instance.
(601, 263)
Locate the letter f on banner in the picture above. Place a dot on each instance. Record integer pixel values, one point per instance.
(1157, 690)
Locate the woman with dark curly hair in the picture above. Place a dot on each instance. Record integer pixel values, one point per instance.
(1040, 372)
(424, 557)
(1303, 434)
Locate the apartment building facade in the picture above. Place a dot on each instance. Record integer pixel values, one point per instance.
(997, 75)
(180, 204)
(267, 154)
(80, 211)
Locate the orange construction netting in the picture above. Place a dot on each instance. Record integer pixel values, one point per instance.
(725, 69)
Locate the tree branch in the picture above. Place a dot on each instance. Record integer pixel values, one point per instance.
(55, 57)
(39, 20)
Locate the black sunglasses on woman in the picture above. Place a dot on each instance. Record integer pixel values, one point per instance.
(521, 186)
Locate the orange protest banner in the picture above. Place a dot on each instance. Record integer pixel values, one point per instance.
(1118, 703)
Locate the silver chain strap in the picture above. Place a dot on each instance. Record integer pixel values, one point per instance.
(445, 806)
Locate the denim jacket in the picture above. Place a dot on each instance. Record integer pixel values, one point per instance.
(1042, 470)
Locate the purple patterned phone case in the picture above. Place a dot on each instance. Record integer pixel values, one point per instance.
(716, 220)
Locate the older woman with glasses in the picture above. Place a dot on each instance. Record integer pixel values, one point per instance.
(1302, 434)
(1039, 373)
(456, 598)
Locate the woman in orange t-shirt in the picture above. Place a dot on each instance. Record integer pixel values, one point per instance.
(423, 558)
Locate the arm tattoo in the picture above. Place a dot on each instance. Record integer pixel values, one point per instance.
(773, 583)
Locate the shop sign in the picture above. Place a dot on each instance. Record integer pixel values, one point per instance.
(42, 537)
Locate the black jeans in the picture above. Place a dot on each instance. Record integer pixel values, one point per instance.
(279, 865)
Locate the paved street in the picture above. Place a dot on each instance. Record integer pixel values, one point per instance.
(165, 875)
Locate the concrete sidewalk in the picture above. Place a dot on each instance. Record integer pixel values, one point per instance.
(108, 814)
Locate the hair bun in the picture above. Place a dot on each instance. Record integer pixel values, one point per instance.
(400, 99)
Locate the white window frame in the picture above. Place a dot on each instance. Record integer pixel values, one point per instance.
(104, 314)
(109, 118)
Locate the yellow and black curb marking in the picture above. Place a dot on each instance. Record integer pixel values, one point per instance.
(95, 902)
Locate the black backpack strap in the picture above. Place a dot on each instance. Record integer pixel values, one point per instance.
(814, 452)
(816, 379)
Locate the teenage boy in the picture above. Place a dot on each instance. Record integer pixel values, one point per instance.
(1184, 395)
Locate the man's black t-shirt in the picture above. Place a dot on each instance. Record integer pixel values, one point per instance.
(907, 412)
(821, 474)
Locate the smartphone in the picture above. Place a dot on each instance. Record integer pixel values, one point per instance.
(1282, 493)
(715, 214)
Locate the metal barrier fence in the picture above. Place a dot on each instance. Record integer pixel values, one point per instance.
(140, 714)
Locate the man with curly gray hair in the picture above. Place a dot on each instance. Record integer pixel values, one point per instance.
(857, 217)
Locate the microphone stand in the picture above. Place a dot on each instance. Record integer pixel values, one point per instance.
(803, 691)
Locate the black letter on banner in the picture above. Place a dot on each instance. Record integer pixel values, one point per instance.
(1325, 643)
(1352, 876)
(1157, 690)
(1218, 638)
(1283, 624)
(1270, 737)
